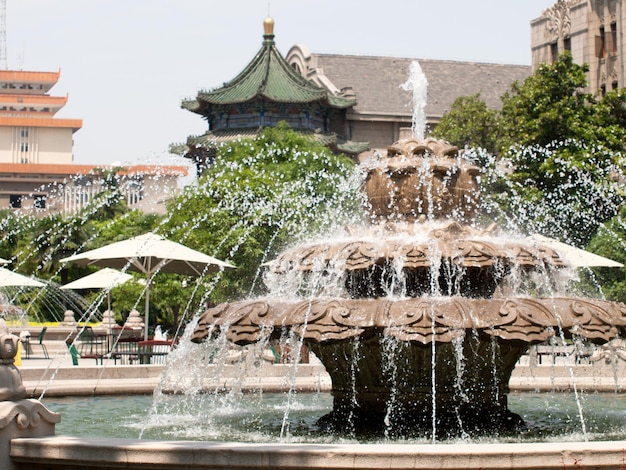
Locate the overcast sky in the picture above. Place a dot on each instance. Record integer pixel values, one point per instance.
(127, 64)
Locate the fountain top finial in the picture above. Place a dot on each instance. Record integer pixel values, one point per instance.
(422, 178)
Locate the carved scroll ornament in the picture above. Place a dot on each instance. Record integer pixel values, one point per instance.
(420, 319)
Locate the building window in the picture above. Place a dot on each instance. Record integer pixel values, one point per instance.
(600, 44)
(24, 132)
(554, 51)
(24, 147)
(614, 85)
(40, 202)
(567, 44)
(612, 47)
(15, 201)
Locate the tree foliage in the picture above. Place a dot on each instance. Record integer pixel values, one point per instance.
(256, 197)
(610, 242)
(564, 150)
(469, 123)
(549, 106)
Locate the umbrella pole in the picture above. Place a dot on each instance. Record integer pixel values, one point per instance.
(147, 308)
(147, 313)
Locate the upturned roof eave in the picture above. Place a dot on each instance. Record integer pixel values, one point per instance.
(268, 77)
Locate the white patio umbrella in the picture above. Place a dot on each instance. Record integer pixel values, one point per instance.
(149, 254)
(4, 261)
(9, 278)
(574, 256)
(106, 278)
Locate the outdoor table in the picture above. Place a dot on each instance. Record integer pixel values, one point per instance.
(154, 351)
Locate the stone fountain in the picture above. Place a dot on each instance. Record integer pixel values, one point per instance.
(427, 315)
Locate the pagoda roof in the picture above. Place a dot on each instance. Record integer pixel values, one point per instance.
(268, 77)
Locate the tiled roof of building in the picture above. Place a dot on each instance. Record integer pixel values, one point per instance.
(24, 76)
(73, 124)
(268, 76)
(377, 80)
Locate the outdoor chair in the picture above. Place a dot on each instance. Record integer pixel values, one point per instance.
(76, 355)
(40, 342)
(92, 343)
(126, 350)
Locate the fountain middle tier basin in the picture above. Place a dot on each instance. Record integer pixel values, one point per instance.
(451, 258)
(399, 365)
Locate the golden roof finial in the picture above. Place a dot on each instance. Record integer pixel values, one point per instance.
(268, 26)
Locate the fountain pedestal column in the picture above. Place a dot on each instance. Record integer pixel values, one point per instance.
(382, 384)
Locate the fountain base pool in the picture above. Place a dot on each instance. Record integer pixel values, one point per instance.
(70, 453)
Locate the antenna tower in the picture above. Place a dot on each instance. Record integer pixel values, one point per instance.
(3, 35)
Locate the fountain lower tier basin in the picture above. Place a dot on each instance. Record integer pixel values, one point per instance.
(413, 365)
(70, 453)
(421, 320)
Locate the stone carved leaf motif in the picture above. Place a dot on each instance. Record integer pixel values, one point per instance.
(315, 311)
(585, 310)
(405, 313)
(351, 315)
(360, 255)
(451, 313)
(527, 310)
(310, 257)
(472, 253)
(326, 321)
(550, 257)
(253, 312)
(216, 315)
(414, 256)
(621, 309)
(559, 23)
(522, 256)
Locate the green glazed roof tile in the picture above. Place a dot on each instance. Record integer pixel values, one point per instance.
(268, 76)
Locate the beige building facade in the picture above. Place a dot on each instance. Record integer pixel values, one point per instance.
(29, 132)
(37, 173)
(592, 30)
(66, 189)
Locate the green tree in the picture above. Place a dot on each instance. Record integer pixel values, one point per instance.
(469, 123)
(610, 242)
(565, 154)
(257, 196)
(550, 105)
(14, 229)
